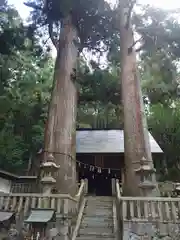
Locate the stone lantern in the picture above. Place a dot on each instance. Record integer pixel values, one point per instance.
(145, 173)
(49, 168)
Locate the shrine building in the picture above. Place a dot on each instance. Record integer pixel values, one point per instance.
(100, 157)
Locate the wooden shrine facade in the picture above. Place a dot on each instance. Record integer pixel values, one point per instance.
(99, 169)
(100, 157)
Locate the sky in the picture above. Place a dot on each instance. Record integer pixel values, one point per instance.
(166, 4)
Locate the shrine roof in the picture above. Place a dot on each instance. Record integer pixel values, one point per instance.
(40, 216)
(11, 176)
(4, 216)
(106, 141)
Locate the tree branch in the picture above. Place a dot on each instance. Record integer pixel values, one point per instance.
(33, 5)
(45, 42)
(131, 47)
(140, 48)
(137, 41)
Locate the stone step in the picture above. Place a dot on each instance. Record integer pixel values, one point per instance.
(96, 198)
(98, 212)
(100, 208)
(98, 215)
(97, 222)
(99, 204)
(97, 235)
(97, 230)
(100, 201)
(94, 224)
(83, 237)
(104, 203)
(98, 218)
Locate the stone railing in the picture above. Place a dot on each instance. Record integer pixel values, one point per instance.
(150, 209)
(80, 197)
(68, 209)
(147, 216)
(22, 203)
(61, 203)
(118, 217)
(83, 189)
(26, 188)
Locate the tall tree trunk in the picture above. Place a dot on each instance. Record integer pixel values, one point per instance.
(61, 127)
(136, 139)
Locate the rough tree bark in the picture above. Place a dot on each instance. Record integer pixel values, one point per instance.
(136, 139)
(61, 126)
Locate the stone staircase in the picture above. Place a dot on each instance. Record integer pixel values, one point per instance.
(97, 221)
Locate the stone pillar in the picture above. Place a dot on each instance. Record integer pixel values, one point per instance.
(63, 223)
(62, 227)
(48, 169)
(13, 233)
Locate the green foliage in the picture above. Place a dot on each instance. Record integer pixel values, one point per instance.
(99, 86)
(159, 75)
(12, 31)
(99, 98)
(25, 82)
(91, 18)
(164, 124)
(159, 30)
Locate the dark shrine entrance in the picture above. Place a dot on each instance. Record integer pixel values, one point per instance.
(99, 170)
(99, 184)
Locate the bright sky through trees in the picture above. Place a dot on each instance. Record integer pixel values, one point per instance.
(167, 4)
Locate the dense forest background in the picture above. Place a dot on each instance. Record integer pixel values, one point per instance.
(26, 76)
